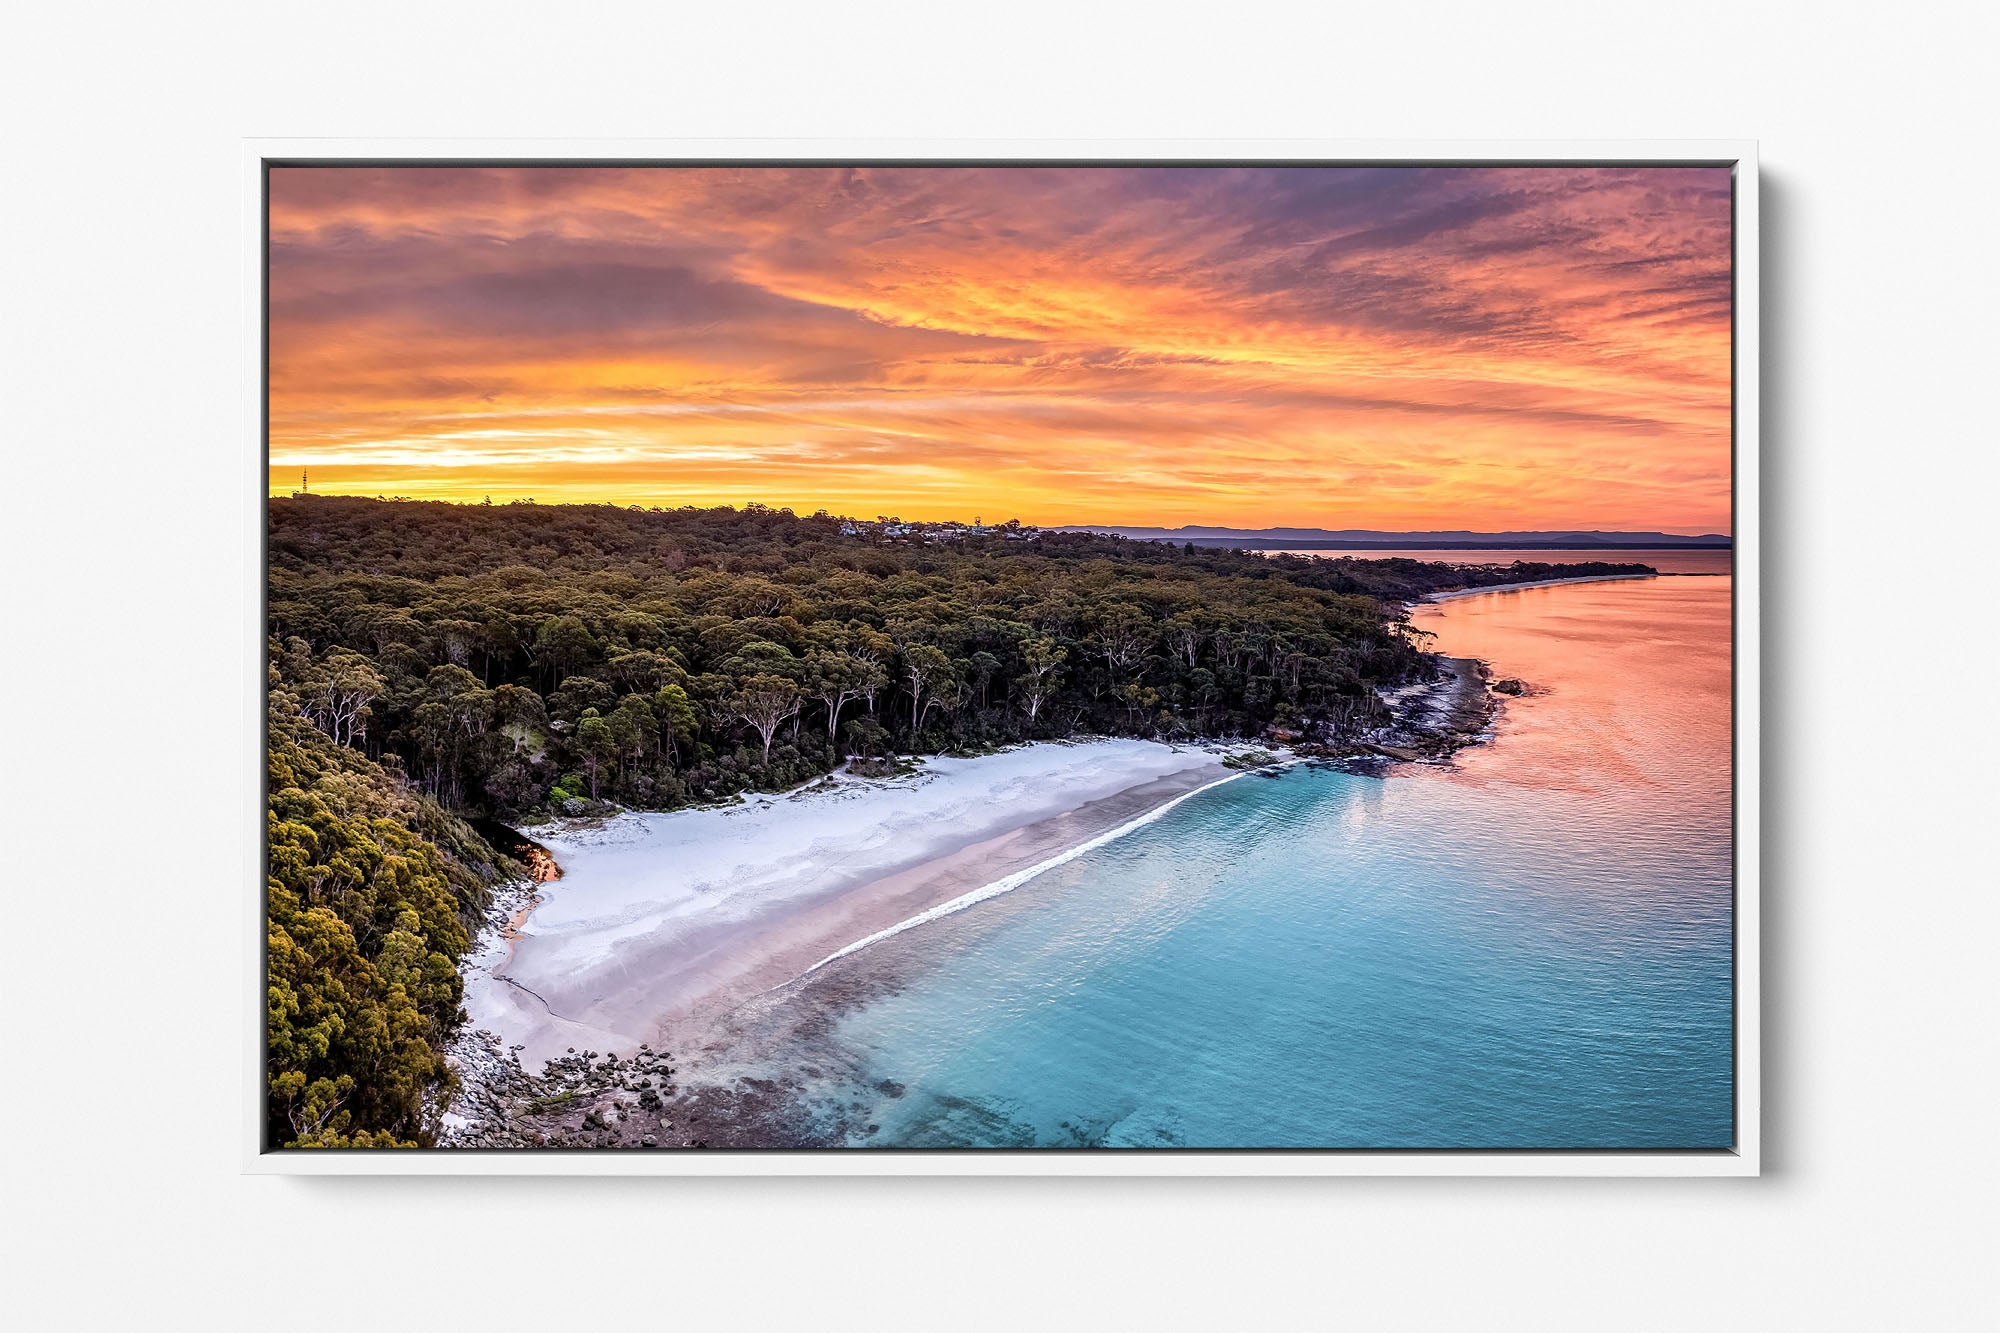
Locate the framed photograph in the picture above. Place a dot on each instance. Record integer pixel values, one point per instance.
(1127, 658)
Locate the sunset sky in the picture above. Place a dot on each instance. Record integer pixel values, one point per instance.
(1380, 347)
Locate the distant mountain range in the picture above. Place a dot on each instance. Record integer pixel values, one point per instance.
(1367, 539)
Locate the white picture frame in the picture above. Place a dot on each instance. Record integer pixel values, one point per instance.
(1741, 1160)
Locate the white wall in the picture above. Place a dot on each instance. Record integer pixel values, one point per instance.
(124, 504)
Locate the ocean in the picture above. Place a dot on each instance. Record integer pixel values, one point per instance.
(1530, 948)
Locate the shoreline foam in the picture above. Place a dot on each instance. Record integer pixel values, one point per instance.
(1008, 883)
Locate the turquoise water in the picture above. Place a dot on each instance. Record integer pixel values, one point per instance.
(1532, 949)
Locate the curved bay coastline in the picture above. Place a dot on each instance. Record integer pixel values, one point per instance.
(745, 965)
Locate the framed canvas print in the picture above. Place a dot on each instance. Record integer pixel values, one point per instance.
(998, 658)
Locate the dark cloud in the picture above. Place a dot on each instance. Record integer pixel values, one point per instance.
(566, 296)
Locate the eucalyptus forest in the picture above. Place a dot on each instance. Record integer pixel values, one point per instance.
(433, 663)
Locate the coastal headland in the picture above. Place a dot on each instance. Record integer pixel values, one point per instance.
(664, 930)
(742, 742)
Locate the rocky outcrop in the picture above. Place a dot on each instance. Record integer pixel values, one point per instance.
(1429, 719)
(581, 1100)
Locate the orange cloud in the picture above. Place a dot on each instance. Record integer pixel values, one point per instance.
(1345, 347)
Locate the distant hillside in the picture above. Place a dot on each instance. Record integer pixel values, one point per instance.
(1362, 539)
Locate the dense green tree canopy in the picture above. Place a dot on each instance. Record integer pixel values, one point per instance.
(507, 657)
(430, 660)
(370, 896)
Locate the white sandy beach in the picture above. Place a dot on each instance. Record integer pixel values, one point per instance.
(663, 921)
